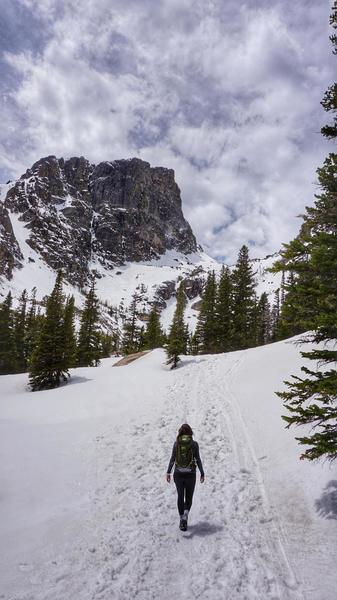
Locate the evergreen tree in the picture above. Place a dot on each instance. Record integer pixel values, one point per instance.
(178, 333)
(20, 333)
(206, 330)
(312, 399)
(88, 347)
(47, 367)
(275, 316)
(8, 355)
(223, 312)
(33, 323)
(263, 321)
(289, 322)
(244, 299)
(69, 334)
(107, 344)
(131, 330)
(154, 334)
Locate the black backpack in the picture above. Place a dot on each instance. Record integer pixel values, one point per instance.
(184, 452)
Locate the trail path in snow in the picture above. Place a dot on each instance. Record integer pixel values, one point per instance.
(130, 545)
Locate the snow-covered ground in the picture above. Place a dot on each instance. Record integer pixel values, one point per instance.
(86, 512)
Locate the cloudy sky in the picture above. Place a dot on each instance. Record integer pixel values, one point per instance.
(227, 93)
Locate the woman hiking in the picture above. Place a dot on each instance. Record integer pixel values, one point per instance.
(185, 456)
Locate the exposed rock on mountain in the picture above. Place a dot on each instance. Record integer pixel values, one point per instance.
(79, 216)
(10, 253)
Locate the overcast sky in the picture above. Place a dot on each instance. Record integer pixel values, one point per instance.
(224, 92)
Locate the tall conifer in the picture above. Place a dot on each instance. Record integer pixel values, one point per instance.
(88, 348)
(153, 337)
(47, 368)
(312, 399)
(20, 324)
(223, 311)
(8, 354)
(131, 330)
(178, 333)
(206, 329)
(69, 333)
(244, 299)
(263, 321)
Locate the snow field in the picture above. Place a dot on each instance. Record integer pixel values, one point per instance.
(87, 512)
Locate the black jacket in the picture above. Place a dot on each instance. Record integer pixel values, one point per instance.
(195, 450)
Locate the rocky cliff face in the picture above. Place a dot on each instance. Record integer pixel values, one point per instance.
(79, 215)
(10, 253)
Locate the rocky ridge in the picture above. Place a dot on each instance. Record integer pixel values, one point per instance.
(79, 216)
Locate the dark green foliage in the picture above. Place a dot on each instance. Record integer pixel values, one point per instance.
(244, 302)
(223, 312)
(289, 322)
(88, 348)
(178, 334)
(69, 334)
(206, 330)
(20, 334)
(33, 326)
(107, 344)
(8, 354)
(313, 398)
(153, 337)
(131, 331)
(47, 365)
(263, 321)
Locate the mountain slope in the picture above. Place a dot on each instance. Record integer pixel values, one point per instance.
(87, 498)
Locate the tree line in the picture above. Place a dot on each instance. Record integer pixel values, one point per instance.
(47, 344)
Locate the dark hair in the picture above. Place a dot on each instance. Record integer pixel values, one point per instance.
(185, 429)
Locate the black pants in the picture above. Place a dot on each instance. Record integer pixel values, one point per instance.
(185, 484)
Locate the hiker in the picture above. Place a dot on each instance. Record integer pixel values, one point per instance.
(185, 457)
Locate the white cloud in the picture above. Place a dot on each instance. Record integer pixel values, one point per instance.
(227, 95)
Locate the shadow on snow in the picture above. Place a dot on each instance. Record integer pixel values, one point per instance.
(326, 505)
(202, 529)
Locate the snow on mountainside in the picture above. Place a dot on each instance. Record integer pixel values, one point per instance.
(43, 227)
(86, 512)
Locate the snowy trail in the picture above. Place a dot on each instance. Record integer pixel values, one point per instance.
(233, 545)
(124, 540)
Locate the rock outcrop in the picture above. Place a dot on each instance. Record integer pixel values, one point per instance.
(10, 253)
(79, 215)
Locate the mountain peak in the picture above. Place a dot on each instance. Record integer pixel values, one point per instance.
(77, 214)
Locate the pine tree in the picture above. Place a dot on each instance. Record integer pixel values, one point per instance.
(312, 399)
(20, 323)
(244, 302)
(8, 354)
(206, 329)
(131, 330)
(223, 312)
(154, 334)
(275, 316)
(47, 367)
(33, 326)
(289, 322)
(263, 321)
(178, 333)
(88, 347)
(107, 344)
(69, 334)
